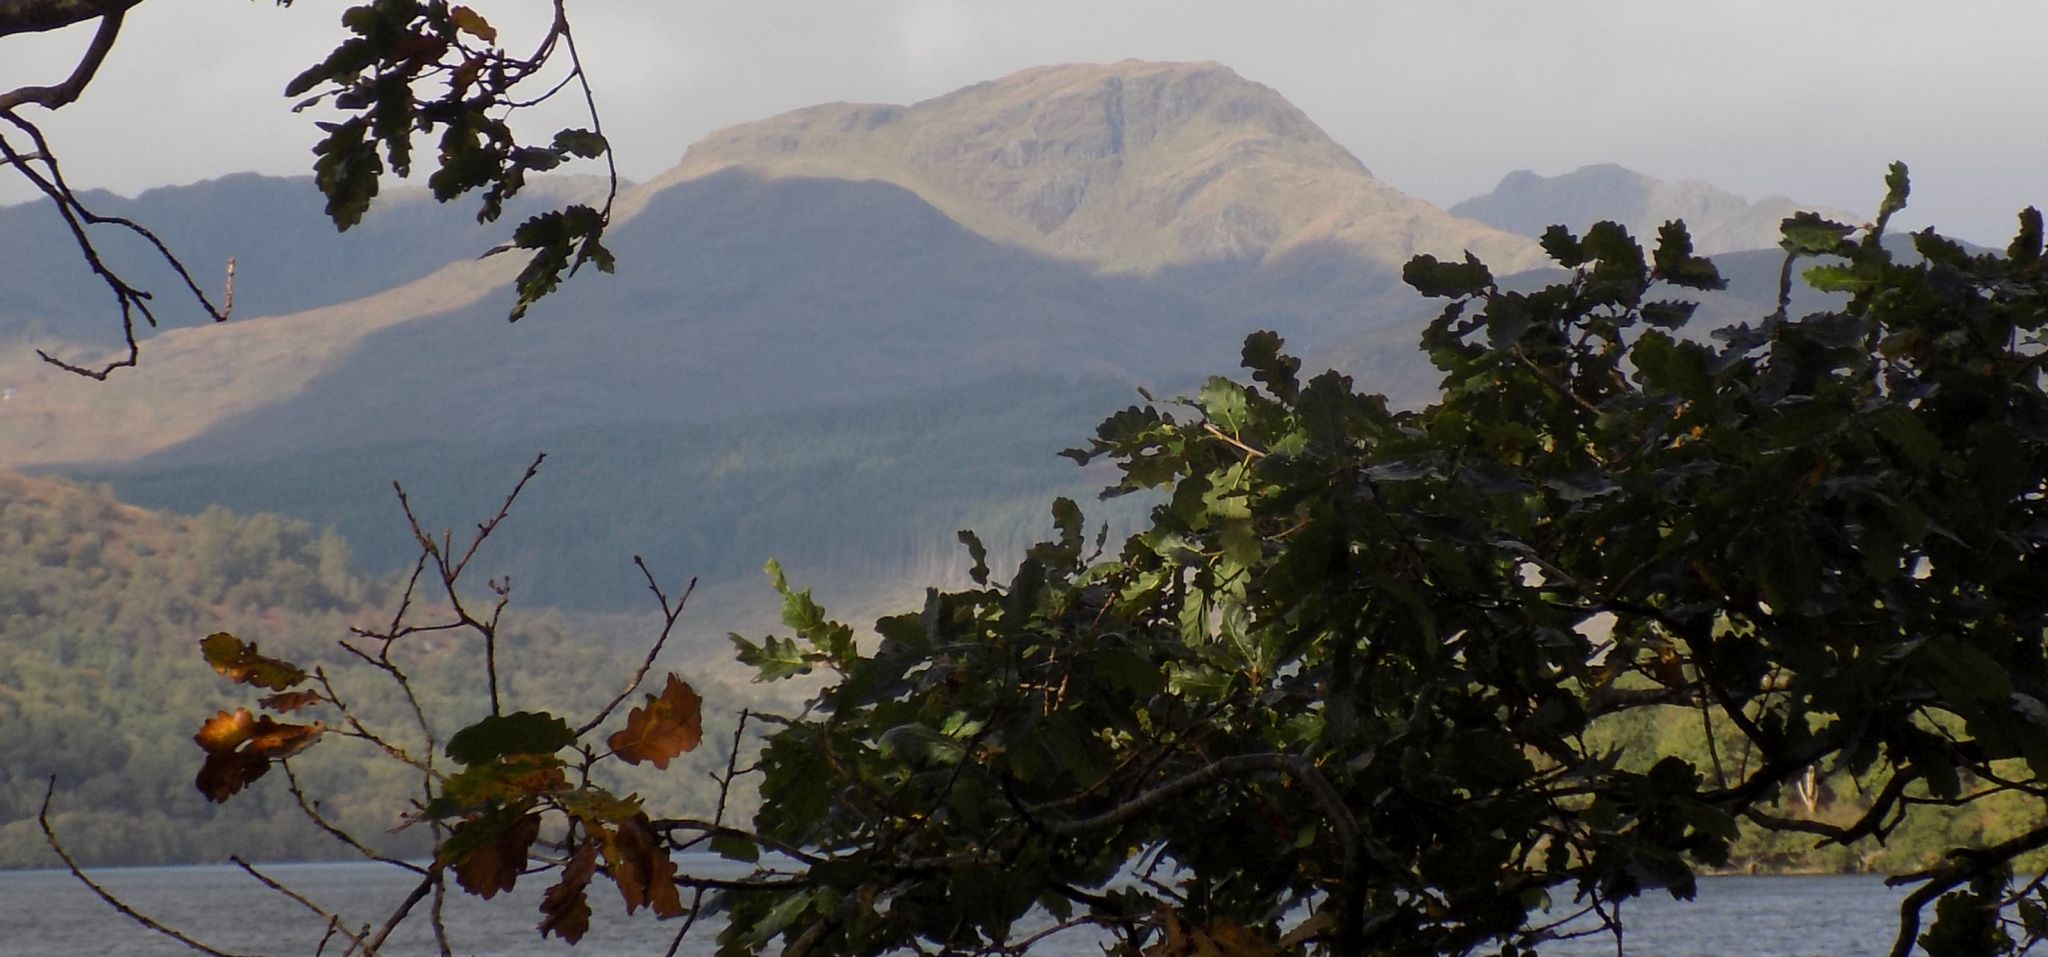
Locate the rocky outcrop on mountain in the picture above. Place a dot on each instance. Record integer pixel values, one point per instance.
(1128, 167)
(1719, 221)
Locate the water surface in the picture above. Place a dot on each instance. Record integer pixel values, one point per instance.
(48, 914)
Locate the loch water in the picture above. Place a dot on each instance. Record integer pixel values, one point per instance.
(48, 914)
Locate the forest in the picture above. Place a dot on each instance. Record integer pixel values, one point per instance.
(102, 607)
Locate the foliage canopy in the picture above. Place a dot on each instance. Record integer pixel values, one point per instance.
(1350, 682)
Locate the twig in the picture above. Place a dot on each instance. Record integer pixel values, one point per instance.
(669, 614)
(450, 571)
(732, 764)
(714, 829)
(320, 821)
(1231, 440)
(77, 217)
(696, 907)
(427, 883)
(590, 105)
(1062, 927)
(333, 921)
(50, 838)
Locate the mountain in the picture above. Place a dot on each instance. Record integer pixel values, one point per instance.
(835, 337)
(813, 251)
(1129, 167)
(1527, 204)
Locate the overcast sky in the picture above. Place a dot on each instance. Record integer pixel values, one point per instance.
(1803, 98)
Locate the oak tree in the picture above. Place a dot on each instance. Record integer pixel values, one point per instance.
(1349, 689)
(1345, 693)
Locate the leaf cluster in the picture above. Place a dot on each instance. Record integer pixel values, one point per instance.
(415, 67)
(523, 782)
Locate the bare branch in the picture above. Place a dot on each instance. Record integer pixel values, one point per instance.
(669, 613)
(50, 837)
(67, 92)
(320, 821)
(40, 168)
(40, 16)
(419, 892)
(334, 924)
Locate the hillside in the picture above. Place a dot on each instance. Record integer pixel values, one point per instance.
(849, 266)
(1720, 221)
(102, 685)
(916, 307)
(836, 337)
(862, 501)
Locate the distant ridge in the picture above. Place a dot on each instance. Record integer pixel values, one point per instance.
(1719, 221)
(836, 337)
(1130, 220)
(1131, 167)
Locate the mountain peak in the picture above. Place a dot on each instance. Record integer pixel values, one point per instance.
(1719, 221)
(1130, 166)
(1103, 111)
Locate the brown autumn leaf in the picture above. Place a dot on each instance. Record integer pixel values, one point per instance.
(226, 773)
(224, 731)
(288, 702)
(238, 661)
(665, 727)
(642, 868)
(240, 748)
(1219, 938)
(473, 23)
(489, 852)
(565, 909)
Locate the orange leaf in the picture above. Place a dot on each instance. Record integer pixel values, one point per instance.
(275, 740)
(264, 736)
(225, 732)
(642, 868)
(491, 851)
(238, 662)
(1219, 938)
(240, 748)
(667, 726)
(473, 23)
(565, 909)
(291, 701)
